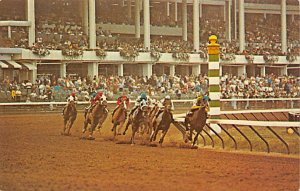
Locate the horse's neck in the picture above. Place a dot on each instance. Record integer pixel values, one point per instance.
(118, 110)
(201, 113)
(98, 107)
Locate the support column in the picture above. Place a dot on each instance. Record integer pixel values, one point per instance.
(168, 9)
(147, 70)
(63, 70)
(284, 70)
(85, 16)
(137, 19)
(175, 12)
(93, 69)
(196, 25)
(241, 70)
(214, 80)
(9, 32)
(129, 9)
(235, 20)
(92, 24)
(228, 20)
(241, 25)
(34, 73)
(120, 69)
(263, 71)
(184, 20)
(172, 69)
(146, 25)
(31, 19)
(200, 8)
(196, 69)
(283, 27)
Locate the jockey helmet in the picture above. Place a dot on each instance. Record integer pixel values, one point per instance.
(167, 97)
(94, 94)
(73, 94)
(143, 96)
(206, 98)
(100, 94)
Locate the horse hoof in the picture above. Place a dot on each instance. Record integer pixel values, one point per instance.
(124, 133)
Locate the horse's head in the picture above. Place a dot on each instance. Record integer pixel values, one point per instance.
(168, 105)
(103, 100)
(144, 107)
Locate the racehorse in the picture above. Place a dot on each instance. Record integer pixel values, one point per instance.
(152, 114)
(119, 118)
(145, 126)
(96, 116)
(70, 114)
(139, 119)
(197, 123)
(162, 122)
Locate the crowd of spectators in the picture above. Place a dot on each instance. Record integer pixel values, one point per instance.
(51, 88)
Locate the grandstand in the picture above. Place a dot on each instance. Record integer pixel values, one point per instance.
(65, 39)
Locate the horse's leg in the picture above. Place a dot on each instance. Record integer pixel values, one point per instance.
(65, 126)
(155, 133)
(114, 129)
(152, 132)
(133, 133)
(120, 128)
(71, 121)
(196, 138)
(191, 134)
(164, 132)
(127, 125)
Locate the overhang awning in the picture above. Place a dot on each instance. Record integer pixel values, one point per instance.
(3, 65)
(14, 64)
(30, 66)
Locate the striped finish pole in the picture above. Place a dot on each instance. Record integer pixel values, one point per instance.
(214, 79)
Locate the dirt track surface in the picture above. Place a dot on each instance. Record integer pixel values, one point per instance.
(34, 156)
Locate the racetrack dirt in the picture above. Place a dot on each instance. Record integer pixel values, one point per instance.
(34, 156)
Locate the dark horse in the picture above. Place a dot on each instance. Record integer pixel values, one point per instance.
(119, 118)
(96, 116)
(162, 122)
(139, 119)
(70, 114)
(197, 123)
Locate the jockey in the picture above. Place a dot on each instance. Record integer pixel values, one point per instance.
(197, 103)
(94, 99)
(71, 98)
(139, 99)
(120, 101)
(164, 102)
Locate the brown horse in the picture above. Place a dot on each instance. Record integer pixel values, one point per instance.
(119, 118)
(96, 117)
(146, 126)
(162, 122)
(139, 119)
(70, 114)
(197, 123)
